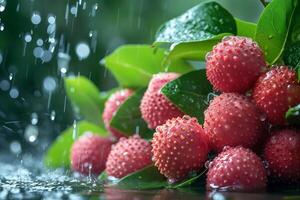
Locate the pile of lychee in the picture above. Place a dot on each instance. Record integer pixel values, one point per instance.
(244, 126)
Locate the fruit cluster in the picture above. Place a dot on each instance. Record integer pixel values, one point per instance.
(244, 126)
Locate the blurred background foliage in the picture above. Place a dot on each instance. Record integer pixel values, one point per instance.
(38, 43)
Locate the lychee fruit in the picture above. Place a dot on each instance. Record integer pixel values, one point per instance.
(89, 154)
(128, 155)
(111, 106)
(236, 169)
(180, 147)
(233, 120)
(282, 154)
(275, 92)
(156, 109)
(234, 64)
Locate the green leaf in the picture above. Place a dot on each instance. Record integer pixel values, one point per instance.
(128, 118)
(134, 65)
(193, 50)
(103, 177)
(274, 26)
(293, 115)
(189, 89)
(58, 155)
(189, 181)
(147, 178)
(202, 22)
(85, 98)
(245, 28)
(291, 55)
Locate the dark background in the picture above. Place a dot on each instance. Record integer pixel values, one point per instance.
(31, 116)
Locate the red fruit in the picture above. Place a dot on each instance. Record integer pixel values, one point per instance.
(156, 109)
(111, 106)
(275, 92)
(127, 156)
(232, 120)
(89, 154)
(236, 169)
(234, 64)
(179, 147)
(282, 153)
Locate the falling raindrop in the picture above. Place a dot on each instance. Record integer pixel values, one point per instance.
(52, 115)
(63, 60)
(82, 50)
(74, 10)
(75, 130)
(94, 9)
(2, 5)
(93, 35)
(1, 27)
(15, 147)
(14, 93)
(11, 76)
(51, 29)
(34, 118)
(1, 57)
(31, 133)
(36, 18)
(49, 84)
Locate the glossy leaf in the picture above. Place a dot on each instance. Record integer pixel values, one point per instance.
(293, 115)
(85, 98)
(202, 22)
(193, 50)
(189, 89)
(58, 155)
(245, 28)
(134, 65)
(128, 118)
(291, 55)
(189, 181)
(147, 178)
(274, 26)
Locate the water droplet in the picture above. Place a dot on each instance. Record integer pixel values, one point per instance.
(4, 85)
(36, 18)
(74, 10)
(51, 29)
(14, 93)
(94, 9)
(47, 56)
(27, 37)
(51, 19)
(49, 84)
(38, 52)
(1, 58)
(39, 42)
(2, 5)
(63, 60)
(15, 147)
(270, 37)
(31, 133)
(82, 50)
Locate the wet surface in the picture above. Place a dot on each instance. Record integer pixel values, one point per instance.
(21, 182)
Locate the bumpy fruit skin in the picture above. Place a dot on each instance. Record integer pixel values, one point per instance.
(156, 109)
(179, 147)
(233, 120)
(282, 153)
(275, 92)
(89, 154)
(111, 106)
(127, 156)
(236, 169)
(234, 64)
